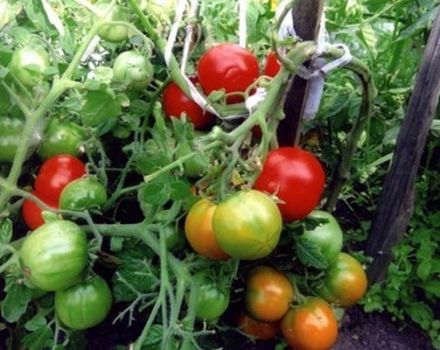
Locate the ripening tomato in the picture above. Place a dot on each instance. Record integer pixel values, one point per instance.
(84, 304)
(176, 103)
(269, 294)
(56, 173)
(258, 329)
(345, 281)
(296, 177)
(310, 326)
(31, 212)
(199, 231)
(228, 67)
(327, 236)
(247, 225)
(55, 255)
(272, 66)
(83, 194)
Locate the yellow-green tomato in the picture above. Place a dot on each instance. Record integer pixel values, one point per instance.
(247, 225)
(85, 304)
(55, 255)
(133, 69)
(326, 236)
(83, 194)
(110, 32)
(28, 65)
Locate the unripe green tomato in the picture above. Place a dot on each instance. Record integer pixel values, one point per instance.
(10, 131)
(247, 225)
(212, 300)
(195, 166)
(110, 32)
(55, 255)
(28, 65)
(85, 304)
(83, 194)
(61, 138)
(133, 69)
(174, 238)
(327, 237)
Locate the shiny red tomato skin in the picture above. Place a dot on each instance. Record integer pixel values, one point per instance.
(296, 177)
(175, 102)
(228, 67)
(56, 173)
(31, 212)
(272, 66)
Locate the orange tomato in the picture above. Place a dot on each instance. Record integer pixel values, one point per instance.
(199, 232)
(310, 326)
(268, 294)
(258, 329)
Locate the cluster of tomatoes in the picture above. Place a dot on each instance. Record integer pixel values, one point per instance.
(248, 224)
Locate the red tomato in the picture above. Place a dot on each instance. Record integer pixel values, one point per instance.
(272, 66)
(56, 173)
(228, 67)
(296, 177)
(259, 329)
(32, 212)
(175, 102)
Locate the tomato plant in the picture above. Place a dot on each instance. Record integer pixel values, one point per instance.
(176, 103)
(84, 304)
(345, 281)
(10, 129)
(310, 326)
(258, 329)
(227, 67)
(28, 65)
(133, 69)
(83, 194)
(55, 255)
(199, 231)
(62, 137)
(31, 212)
(327, 236)
(212, 299)
(56, 172)
(247, 225)
(269, 294)
(296, 177)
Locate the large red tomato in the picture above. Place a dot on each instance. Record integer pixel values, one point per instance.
(56, 173)
(175, 103)
(272, 66)
(296, 177)
(228, 67)
(32, 212)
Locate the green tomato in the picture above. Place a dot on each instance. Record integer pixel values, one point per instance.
(85, 304)
(28, 65)
(174, 238)
(327, 236)
(10, 132)
(212, 300)
(55, 255)
(133, 69)
(195, 166)
(110, 32)
(61, 138)
(248, 225)
(83, 194)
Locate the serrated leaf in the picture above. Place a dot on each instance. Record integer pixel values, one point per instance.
(424, 270)
(16, 302)
(432, 287)
(41, 339)
(156, 193)
(5, 231)
(36, 14)
(36, 322)
(100, 106)
(179, 190)
(309, 254)
(369, 38)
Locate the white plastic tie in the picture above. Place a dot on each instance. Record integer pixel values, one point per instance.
(242, 31)
(194, 6)
(174, 30)
(253, 101)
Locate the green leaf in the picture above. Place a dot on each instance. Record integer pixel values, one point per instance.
(420, 313)
(41, 339)
(16, 302)
(432, 287)
(179, 190)
(5, 231)
(424, 269)
(36, 322)
(156, 193)
(35, 12)
(423, 22)
(309, 254)
(100, 106)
